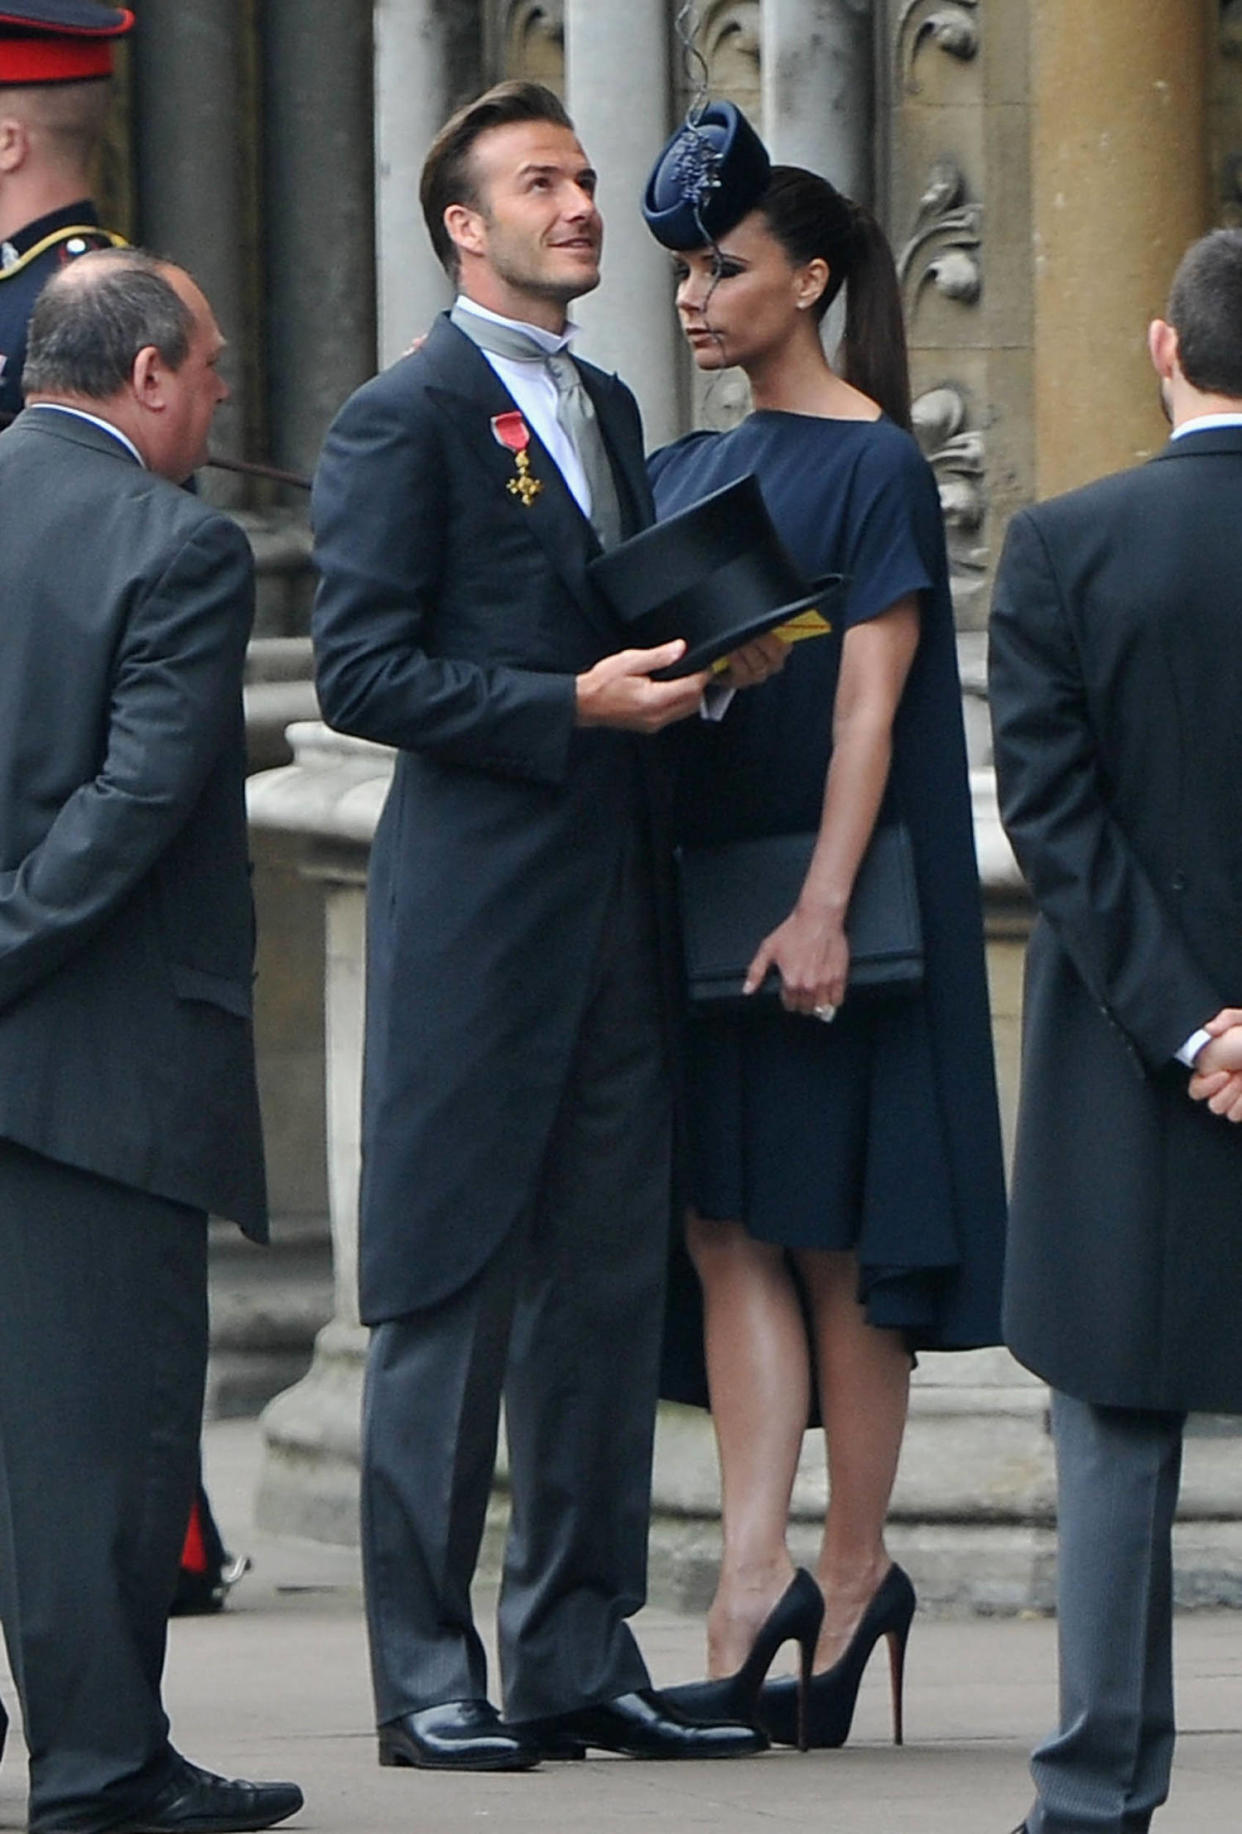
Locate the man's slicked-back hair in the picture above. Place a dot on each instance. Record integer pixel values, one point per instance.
(448, 174)
(1205, 309)
(95, 315)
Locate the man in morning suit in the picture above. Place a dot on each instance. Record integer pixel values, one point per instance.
(128, 1107)
(1116, 680)
(515, 1188)
(55, 84)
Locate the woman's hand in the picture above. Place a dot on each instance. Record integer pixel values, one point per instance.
(812, 956)
(754, 663)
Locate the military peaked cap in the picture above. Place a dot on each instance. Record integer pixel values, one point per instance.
(58, 41)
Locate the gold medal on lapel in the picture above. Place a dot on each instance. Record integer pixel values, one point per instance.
(512, 432)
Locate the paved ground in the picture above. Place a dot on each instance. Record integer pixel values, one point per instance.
(277, 1687)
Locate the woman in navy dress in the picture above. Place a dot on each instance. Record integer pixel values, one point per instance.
(846, 1183)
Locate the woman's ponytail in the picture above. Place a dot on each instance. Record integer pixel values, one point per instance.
(812, 220)
(873, 352)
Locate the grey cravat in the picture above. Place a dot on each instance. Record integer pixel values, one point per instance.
(575, 412)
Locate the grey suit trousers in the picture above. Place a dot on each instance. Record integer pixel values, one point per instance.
(103, 1351)
(1106, 1770)
(566, 1319)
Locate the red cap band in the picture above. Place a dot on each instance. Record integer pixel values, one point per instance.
(53, 60)
(66, 55)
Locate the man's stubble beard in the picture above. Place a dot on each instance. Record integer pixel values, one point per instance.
(561, 293)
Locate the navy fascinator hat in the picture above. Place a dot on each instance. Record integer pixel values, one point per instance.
(708, 177)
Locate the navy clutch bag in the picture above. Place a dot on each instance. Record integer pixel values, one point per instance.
(735, 894)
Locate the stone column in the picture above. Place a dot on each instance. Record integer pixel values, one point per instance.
(189, 74)
(413, 97)
(818, 89)
(629, 325)
(329, 801)
(1119, 188)
(319, 228)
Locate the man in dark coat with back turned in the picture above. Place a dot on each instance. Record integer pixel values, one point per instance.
(128, 1107)
(515, 1192)
(1116, 684)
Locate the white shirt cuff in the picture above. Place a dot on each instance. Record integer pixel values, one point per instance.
(715, 702)
(1193, 1045)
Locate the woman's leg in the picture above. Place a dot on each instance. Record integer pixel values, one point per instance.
(758, 1371)
(864, 1383)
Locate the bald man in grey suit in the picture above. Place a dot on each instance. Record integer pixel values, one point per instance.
(128, 1107)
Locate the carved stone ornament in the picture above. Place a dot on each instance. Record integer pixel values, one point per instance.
(533, 36)
(957, 457)
(952, 25)
(729, 37)
(736, 21)
(943, 245)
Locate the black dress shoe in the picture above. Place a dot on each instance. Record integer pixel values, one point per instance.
(195, 1801)
(641, 1725)
(457, 1735)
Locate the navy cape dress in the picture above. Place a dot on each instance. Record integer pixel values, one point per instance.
(879, 1133)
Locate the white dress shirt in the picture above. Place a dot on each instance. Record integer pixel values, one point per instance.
(533, 389)
(58, 407)
(1205, 423)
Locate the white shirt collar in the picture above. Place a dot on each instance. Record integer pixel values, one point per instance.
(57, 407)
(1207, 423)
(547, 340)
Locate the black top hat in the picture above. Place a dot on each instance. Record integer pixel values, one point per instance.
(58, 41)
(708, 177)
(716, 574)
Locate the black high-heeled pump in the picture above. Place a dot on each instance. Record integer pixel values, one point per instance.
(795, 1617)
(829, 1710)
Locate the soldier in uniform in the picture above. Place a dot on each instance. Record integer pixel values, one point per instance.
(55, 71)
(55, 66)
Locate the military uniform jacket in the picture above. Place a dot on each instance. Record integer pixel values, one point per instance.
(451, 620)
(126, 928)
(27, 262)
(1116, 679)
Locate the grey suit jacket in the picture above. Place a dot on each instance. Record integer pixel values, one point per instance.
(126, 925)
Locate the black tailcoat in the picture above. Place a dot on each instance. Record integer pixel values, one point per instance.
(126, 929)
(450, 622)
(1116, 666)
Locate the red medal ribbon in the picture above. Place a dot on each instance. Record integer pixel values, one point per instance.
(511, 431)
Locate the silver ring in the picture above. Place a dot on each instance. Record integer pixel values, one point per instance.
(826, 1013)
